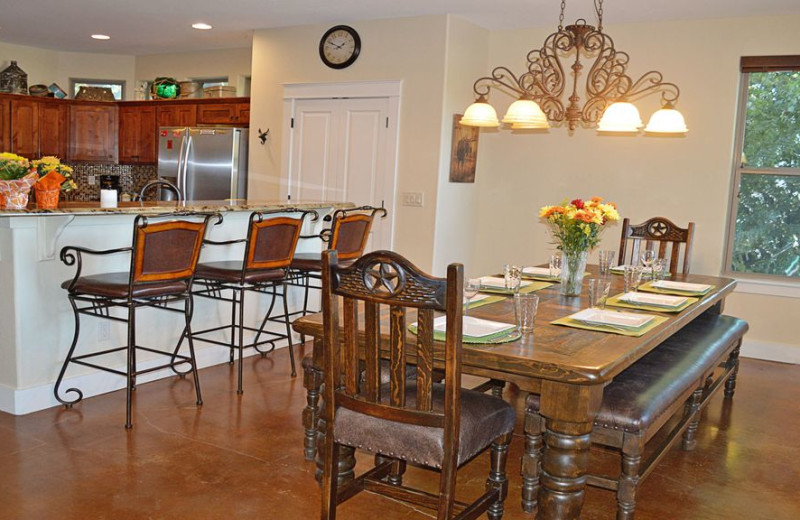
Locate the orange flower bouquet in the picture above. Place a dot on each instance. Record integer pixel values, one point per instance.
(16, 179)
(54, 178)
(576, 229)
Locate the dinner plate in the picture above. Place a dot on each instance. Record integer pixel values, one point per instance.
(495, 282)
(659, 300)
(540, 271)
(681, 286)
(625, 320)
(474, 327)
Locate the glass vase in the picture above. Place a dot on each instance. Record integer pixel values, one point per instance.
(573, 267)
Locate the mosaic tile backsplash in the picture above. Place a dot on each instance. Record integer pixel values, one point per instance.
(131, 179)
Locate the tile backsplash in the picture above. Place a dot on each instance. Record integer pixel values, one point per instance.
(131, 179)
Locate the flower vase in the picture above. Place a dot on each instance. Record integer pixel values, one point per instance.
(14, 193)
(46, 199)
(573, 267)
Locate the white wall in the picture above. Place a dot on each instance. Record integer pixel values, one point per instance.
(685, 179)
(407, 49)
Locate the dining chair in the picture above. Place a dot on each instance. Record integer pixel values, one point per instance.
(657, 231)
(439, 426)
(264, 267)
(164, 254)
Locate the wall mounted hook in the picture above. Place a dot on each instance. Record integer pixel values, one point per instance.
(263, 136)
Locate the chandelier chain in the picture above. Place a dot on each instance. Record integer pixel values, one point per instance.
(598, 7)
(561, 16)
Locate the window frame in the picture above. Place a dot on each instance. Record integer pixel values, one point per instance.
(96, 83)
(748, 65)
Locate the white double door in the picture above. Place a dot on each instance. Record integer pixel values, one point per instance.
(344, 150)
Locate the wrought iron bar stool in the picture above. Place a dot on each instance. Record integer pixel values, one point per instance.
(164, 257)
(269, 248)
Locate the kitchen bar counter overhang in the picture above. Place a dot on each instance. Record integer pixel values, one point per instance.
(37, 324)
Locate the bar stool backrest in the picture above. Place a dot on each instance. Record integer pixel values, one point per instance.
(271, 242)
(166, 251)
(350, 231)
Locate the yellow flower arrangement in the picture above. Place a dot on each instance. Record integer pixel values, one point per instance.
(13, 166)
(576, 226)
(50, 164)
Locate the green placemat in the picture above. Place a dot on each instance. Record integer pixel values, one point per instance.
(649, 288)
(614, 301)
(485, 301)
(503, 336)
(569, 322)
(620, 273)
(532, 287)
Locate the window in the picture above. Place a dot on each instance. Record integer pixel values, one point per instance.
(117, 86)
(764, 237)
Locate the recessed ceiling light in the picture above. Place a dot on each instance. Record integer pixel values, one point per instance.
(101, 37)
(201, 26)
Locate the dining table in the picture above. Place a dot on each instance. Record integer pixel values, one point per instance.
(567, 367)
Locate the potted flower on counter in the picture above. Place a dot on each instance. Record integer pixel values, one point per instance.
(16, 179)
(54, 178)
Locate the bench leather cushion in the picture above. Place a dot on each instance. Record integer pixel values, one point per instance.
(484, 418)
(313, 262)
(231, 272)
(639, 395)
(115, 285)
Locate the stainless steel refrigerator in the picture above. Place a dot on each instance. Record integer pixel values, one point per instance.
(205, 163)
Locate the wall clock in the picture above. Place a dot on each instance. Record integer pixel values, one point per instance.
(339, 47)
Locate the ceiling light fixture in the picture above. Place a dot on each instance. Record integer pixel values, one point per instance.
(101, 37)
(608, 90)
(201, 26)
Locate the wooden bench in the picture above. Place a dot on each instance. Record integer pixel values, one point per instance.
(683, 372)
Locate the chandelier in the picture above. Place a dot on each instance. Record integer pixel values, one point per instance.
(608, 90)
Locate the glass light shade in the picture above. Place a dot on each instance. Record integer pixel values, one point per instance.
(620, 117)
(526, 113)
(480, 113)
(666, 121)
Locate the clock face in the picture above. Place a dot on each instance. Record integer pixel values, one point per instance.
(339, 47)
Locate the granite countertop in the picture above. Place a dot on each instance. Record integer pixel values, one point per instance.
(156, 207)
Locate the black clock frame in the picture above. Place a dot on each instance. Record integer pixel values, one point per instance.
(356, 48)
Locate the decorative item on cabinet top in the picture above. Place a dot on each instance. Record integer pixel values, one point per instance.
(165, 88)
(13, 80)
(95, 94)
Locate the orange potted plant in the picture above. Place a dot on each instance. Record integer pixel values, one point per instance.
(54, 178)
(16, 179)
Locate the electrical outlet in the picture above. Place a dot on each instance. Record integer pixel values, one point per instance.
(90, 180)
(103, 331)
(412, 198)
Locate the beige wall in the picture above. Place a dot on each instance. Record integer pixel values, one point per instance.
(684, 179)
(233, 63)
(408, 49)
(47, 66)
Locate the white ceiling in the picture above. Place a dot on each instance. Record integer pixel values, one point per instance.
(158, 26)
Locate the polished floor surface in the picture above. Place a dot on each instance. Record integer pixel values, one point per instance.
(241, 456)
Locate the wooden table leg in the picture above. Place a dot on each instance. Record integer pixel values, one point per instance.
(569, 411)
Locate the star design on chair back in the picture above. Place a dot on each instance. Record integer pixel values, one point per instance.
(658, 228)
(383, 278)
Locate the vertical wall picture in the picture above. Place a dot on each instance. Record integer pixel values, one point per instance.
(464, 151)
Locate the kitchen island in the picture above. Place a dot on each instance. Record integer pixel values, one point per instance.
(37, 323)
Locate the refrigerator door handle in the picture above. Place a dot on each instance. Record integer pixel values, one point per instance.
(182, 178)
(178, 175)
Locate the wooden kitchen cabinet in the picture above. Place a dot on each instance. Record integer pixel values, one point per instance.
(93, 133)
(5, 125)
(224, 114)
(53, 129)
(137, 134)
(25, 128)
(183, 114)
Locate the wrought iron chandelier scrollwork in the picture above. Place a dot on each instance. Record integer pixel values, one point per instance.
(609, 90)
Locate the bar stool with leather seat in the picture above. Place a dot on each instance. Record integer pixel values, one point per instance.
(438, 426)
(269, 249)
(661, 231)
(163, 261)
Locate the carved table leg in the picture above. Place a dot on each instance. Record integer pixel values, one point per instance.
(312, 381)
(730, 384)
(347, 458)
(532, 461)
(569, 411)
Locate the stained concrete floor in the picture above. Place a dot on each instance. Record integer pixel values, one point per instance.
(241, 456)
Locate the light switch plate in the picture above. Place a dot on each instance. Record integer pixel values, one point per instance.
(413, 198)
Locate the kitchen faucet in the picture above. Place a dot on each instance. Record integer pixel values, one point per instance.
(161, 182)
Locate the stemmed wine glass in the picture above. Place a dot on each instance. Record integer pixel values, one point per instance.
(471, 288)
(648, 257)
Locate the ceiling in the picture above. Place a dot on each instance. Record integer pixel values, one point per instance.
(140, 27)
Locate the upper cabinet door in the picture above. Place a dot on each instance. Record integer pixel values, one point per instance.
(5, 124)
(137, 135)
(25, 128)
(93, 133)
(54, 129)
(224, 114)
(184, 114)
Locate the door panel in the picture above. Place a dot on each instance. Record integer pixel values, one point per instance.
(313, 153)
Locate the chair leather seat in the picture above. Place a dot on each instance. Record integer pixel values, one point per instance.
(313, 262)
(231, 271)
(484, 418)
(115, 285)
(639, 395)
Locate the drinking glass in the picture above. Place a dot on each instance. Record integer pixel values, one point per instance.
(513, 277)
(598, 292)
(606, 261)
(471, 288)
(525, 306)
(648, 256)
(632, 276)
(659, 269)
(555, 265)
